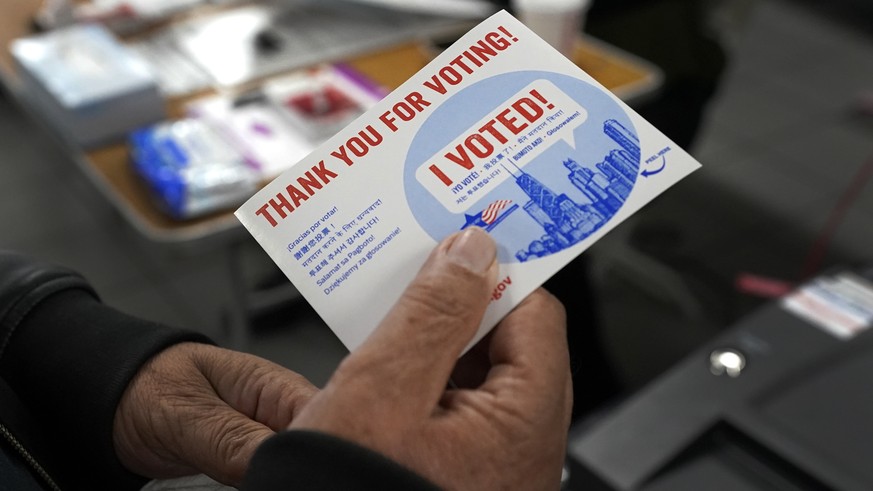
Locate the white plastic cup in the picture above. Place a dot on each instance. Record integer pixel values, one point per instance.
(557, 21)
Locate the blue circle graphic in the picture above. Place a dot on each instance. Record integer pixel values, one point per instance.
(558, 198)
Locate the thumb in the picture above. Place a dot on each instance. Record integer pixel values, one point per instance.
(222, 444)
(410, 356)
(251, 397)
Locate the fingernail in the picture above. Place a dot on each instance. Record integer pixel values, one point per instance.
(474, 250)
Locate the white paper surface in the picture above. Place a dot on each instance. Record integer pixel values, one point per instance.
(841, 305)
(500, 131)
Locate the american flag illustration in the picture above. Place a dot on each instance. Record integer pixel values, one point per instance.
(492, 211)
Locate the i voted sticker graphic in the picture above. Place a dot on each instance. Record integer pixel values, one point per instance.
(540, 160)
(518, 130)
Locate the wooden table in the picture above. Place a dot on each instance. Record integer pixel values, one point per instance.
(630, 78)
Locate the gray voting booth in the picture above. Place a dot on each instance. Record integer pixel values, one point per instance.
(776, 402)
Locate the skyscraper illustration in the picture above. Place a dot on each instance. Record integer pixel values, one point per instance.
(537, 213)
(605, 187)
(619, 186)
(623, 162)
(595, 187)
(548, 208)
(565, 221)
(626, 139)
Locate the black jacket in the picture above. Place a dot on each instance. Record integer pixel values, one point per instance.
(65, 360)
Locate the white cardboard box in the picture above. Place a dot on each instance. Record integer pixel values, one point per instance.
(88, 85)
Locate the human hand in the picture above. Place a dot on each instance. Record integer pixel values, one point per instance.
(508, 432)
(196, 408)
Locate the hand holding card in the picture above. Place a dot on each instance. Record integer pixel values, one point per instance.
(509, 432)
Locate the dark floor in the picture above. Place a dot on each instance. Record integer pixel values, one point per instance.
(782, 141)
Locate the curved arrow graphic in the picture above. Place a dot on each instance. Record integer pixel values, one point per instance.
(647, 173)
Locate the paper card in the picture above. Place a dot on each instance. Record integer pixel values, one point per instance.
(501, 132)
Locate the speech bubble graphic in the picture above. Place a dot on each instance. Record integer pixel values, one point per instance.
(509, 137)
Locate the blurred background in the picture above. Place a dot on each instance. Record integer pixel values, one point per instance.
(774, 97)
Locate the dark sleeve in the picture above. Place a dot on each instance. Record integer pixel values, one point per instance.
(69, 358)
(312, 461)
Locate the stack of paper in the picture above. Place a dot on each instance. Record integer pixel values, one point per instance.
(88, 84)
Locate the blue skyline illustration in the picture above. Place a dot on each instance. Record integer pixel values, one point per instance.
(564, 221)
(607, 136)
